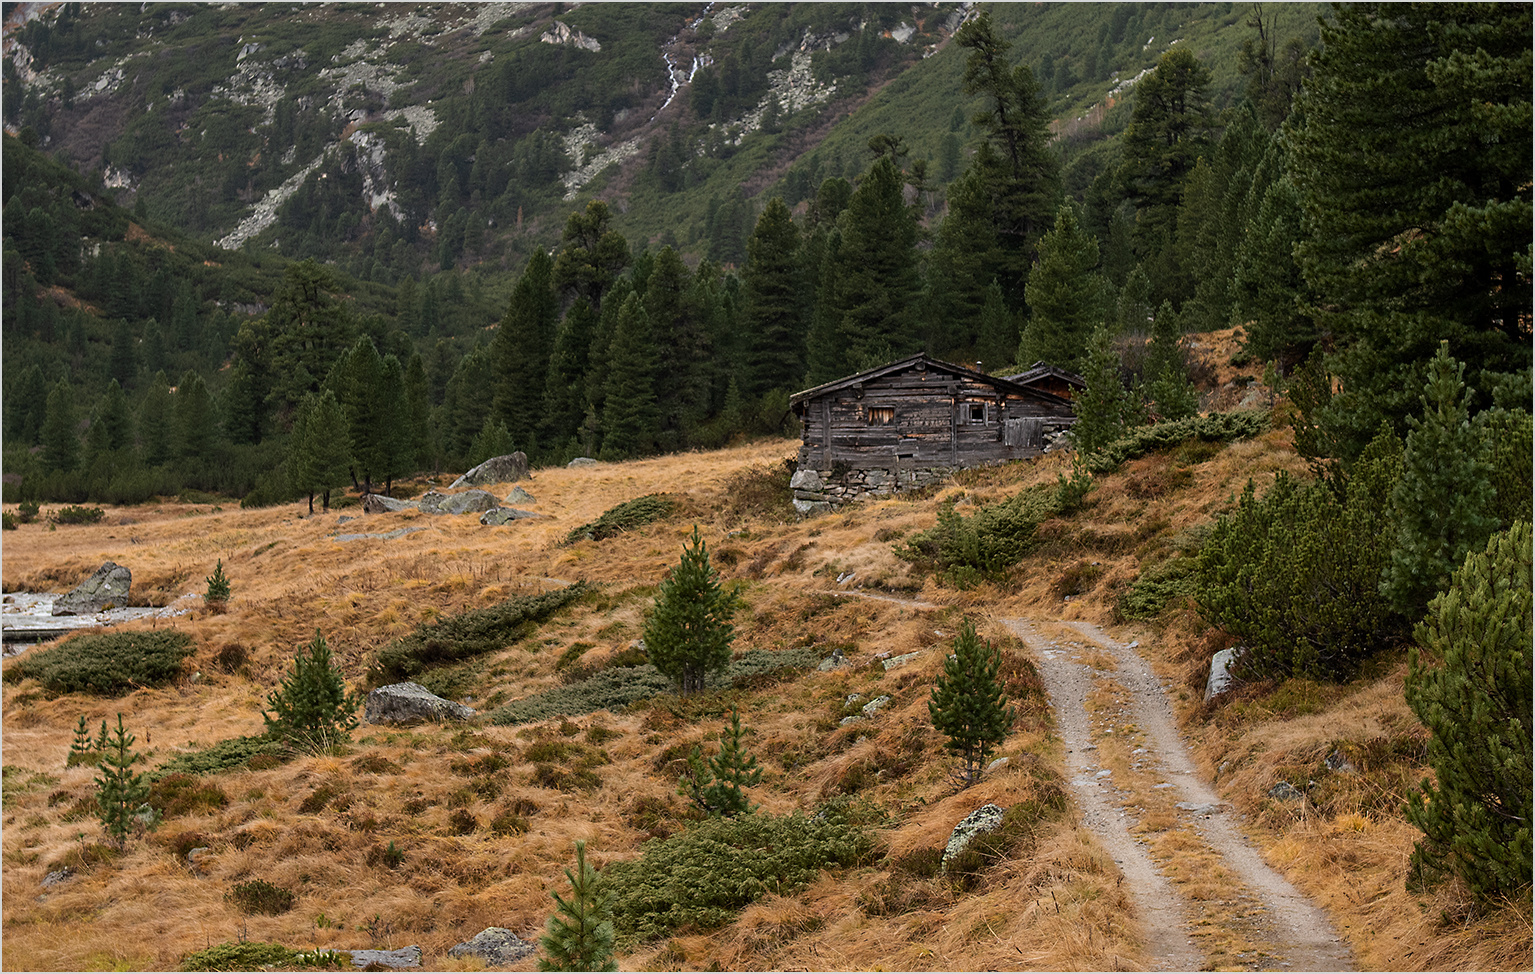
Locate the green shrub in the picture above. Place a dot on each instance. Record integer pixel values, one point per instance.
(184, 794)
(260, 896)
(7, 521)
(238, 955)
(704, 876)
(1146, 439)
(77, 515)
(390, 856)
(468, 634)
(225, 755)
(1476, 817)
(625, 517)
(218, 586)
(107, 664)
(26, 511)
(1158, 585)
(968, 550)
(1296, 576)
(312, 711)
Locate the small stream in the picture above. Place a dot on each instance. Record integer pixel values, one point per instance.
(27, 617)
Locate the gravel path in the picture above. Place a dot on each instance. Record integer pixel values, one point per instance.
(1284, 930)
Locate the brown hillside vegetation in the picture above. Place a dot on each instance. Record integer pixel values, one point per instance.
(429, 834)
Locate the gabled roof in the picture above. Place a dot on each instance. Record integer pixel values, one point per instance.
(1040, 370)
(924, 360)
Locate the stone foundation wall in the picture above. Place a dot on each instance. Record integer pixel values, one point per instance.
(815, 491)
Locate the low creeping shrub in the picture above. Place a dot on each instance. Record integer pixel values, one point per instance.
(226, 755)
(468, 634)
(77, 515)
(260, 896)
(1157, 586)
(1142, 440)
(238, 955)
(968, 550)
(107, 664)
(625, 517)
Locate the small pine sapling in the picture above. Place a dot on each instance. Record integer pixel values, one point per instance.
(715, 785)
(312, 711)
(579, 936)
(1477, 702)
(119, 790)
(968, 703)
(689, 632)
(217, 595)
(83, 750)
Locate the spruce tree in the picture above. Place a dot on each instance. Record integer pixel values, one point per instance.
(319, 452)
(1169, 129)
(522, 348)
(579, 936)
(311, 710)
(773, 304)
(491, 441)
(308, 328)
(1270, 294)
(1103, 407)
(631, 417)
(196, 421)
(1443, 503)
(1175, 397)
(684, 349)
(116, 418)
(1477, 702)
(1065, 295)
(968, 704)
(688, 633)
(715, 785)
(119, 790)
(60, 433)
(875, 283)
(998, 343)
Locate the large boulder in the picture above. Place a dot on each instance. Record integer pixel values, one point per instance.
(1220, 679)
(108, 588)
(497, 946)
(581, 462)
(982, 820)
(506, 515)
(380, 504)
(407, 703)
(519, 496)
(468, 502)
(496, 470)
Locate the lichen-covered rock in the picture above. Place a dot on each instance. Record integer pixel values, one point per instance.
(982, 820)
(834, 662)
(405, 703)
(404, 957)
(1220, 679)
(581, 462)
(876, 705)
(468, 502)
(108, 588)
(379, 504)
(901, 660)
(496, 470)
(505, 515)
(497, 946)
(519, 496)
(1286, 792)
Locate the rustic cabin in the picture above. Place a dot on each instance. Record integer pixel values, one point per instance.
(1048, 378)
(912, 423)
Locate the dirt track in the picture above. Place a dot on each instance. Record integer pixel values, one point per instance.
(1205, 896)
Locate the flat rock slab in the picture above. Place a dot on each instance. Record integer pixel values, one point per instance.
(468, 502)
(404, 957)
(386, 536)
(496, 470)
(497, 946)
(405, 703)
(581, 462)
(518, 496)
(379, 504)
(982, 820)
(107, 588)
(506, 515)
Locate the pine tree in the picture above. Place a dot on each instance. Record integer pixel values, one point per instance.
(591, 256)
(773, 304)
(116, 418)
(631, 417)
(998, 343)
(491, 441)
(522, 348)
(968, 704)
(1443, 503)
(1410, 149)
(311, 710)
(320, 451)
(1065, 295)
(119, 790)
(715, 785)
(1270, 294)
(1170, 389)
(875, 284)
(196, 421)
(579, 936)
(688, 634)
(1476, 816)
(155, 426)
(1169, 129)
(1133, 307)
(60, 433)
(305, 332)
(684, 347)
(1102, 407)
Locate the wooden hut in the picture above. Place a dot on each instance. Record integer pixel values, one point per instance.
(1048, 378)
(911, 423)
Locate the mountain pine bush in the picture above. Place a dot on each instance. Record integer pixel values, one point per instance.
(312, 711)
(968, 704)
(983, 546)
(688, 635)
(108, 663)
(1476, 817)
(579, 936)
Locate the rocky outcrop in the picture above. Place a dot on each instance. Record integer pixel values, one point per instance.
(561, 34)
(497, 946)
(468, 502)
(408, 703)
(1220, 679)
(506, 515)
(404, 957)
(380, 504)
(108, 588)
(496, 470)
(982, 820)
(581, 462)
(519, 496)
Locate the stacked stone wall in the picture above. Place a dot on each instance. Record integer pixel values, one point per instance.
(818, 491)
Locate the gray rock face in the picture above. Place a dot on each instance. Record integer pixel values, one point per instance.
(806, 478)
(581, 462)
(56, 877)
(1286, 792)
(833, 662)
(379, 504)
(468, 502)
(505, 515)
(519, 496)
(404, 957)
(405, 703)
(498, 946)
(876, 705)
(1220, 673)
(901, 660)
(496, 470)
(982, 820)
(108, 587)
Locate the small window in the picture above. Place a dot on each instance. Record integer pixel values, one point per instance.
(881, 415)
(977, 412)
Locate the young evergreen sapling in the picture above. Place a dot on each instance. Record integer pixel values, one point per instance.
(312, 711)
(715, 785)
(218, 588)
(579, 936)
(119, 790)
(968, 703)
(689, 632)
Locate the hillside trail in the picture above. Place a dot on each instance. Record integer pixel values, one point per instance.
(1110, 708)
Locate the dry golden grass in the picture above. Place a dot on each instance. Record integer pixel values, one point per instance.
(1059, 908)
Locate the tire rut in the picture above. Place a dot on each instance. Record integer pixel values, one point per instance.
(1279, 926)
